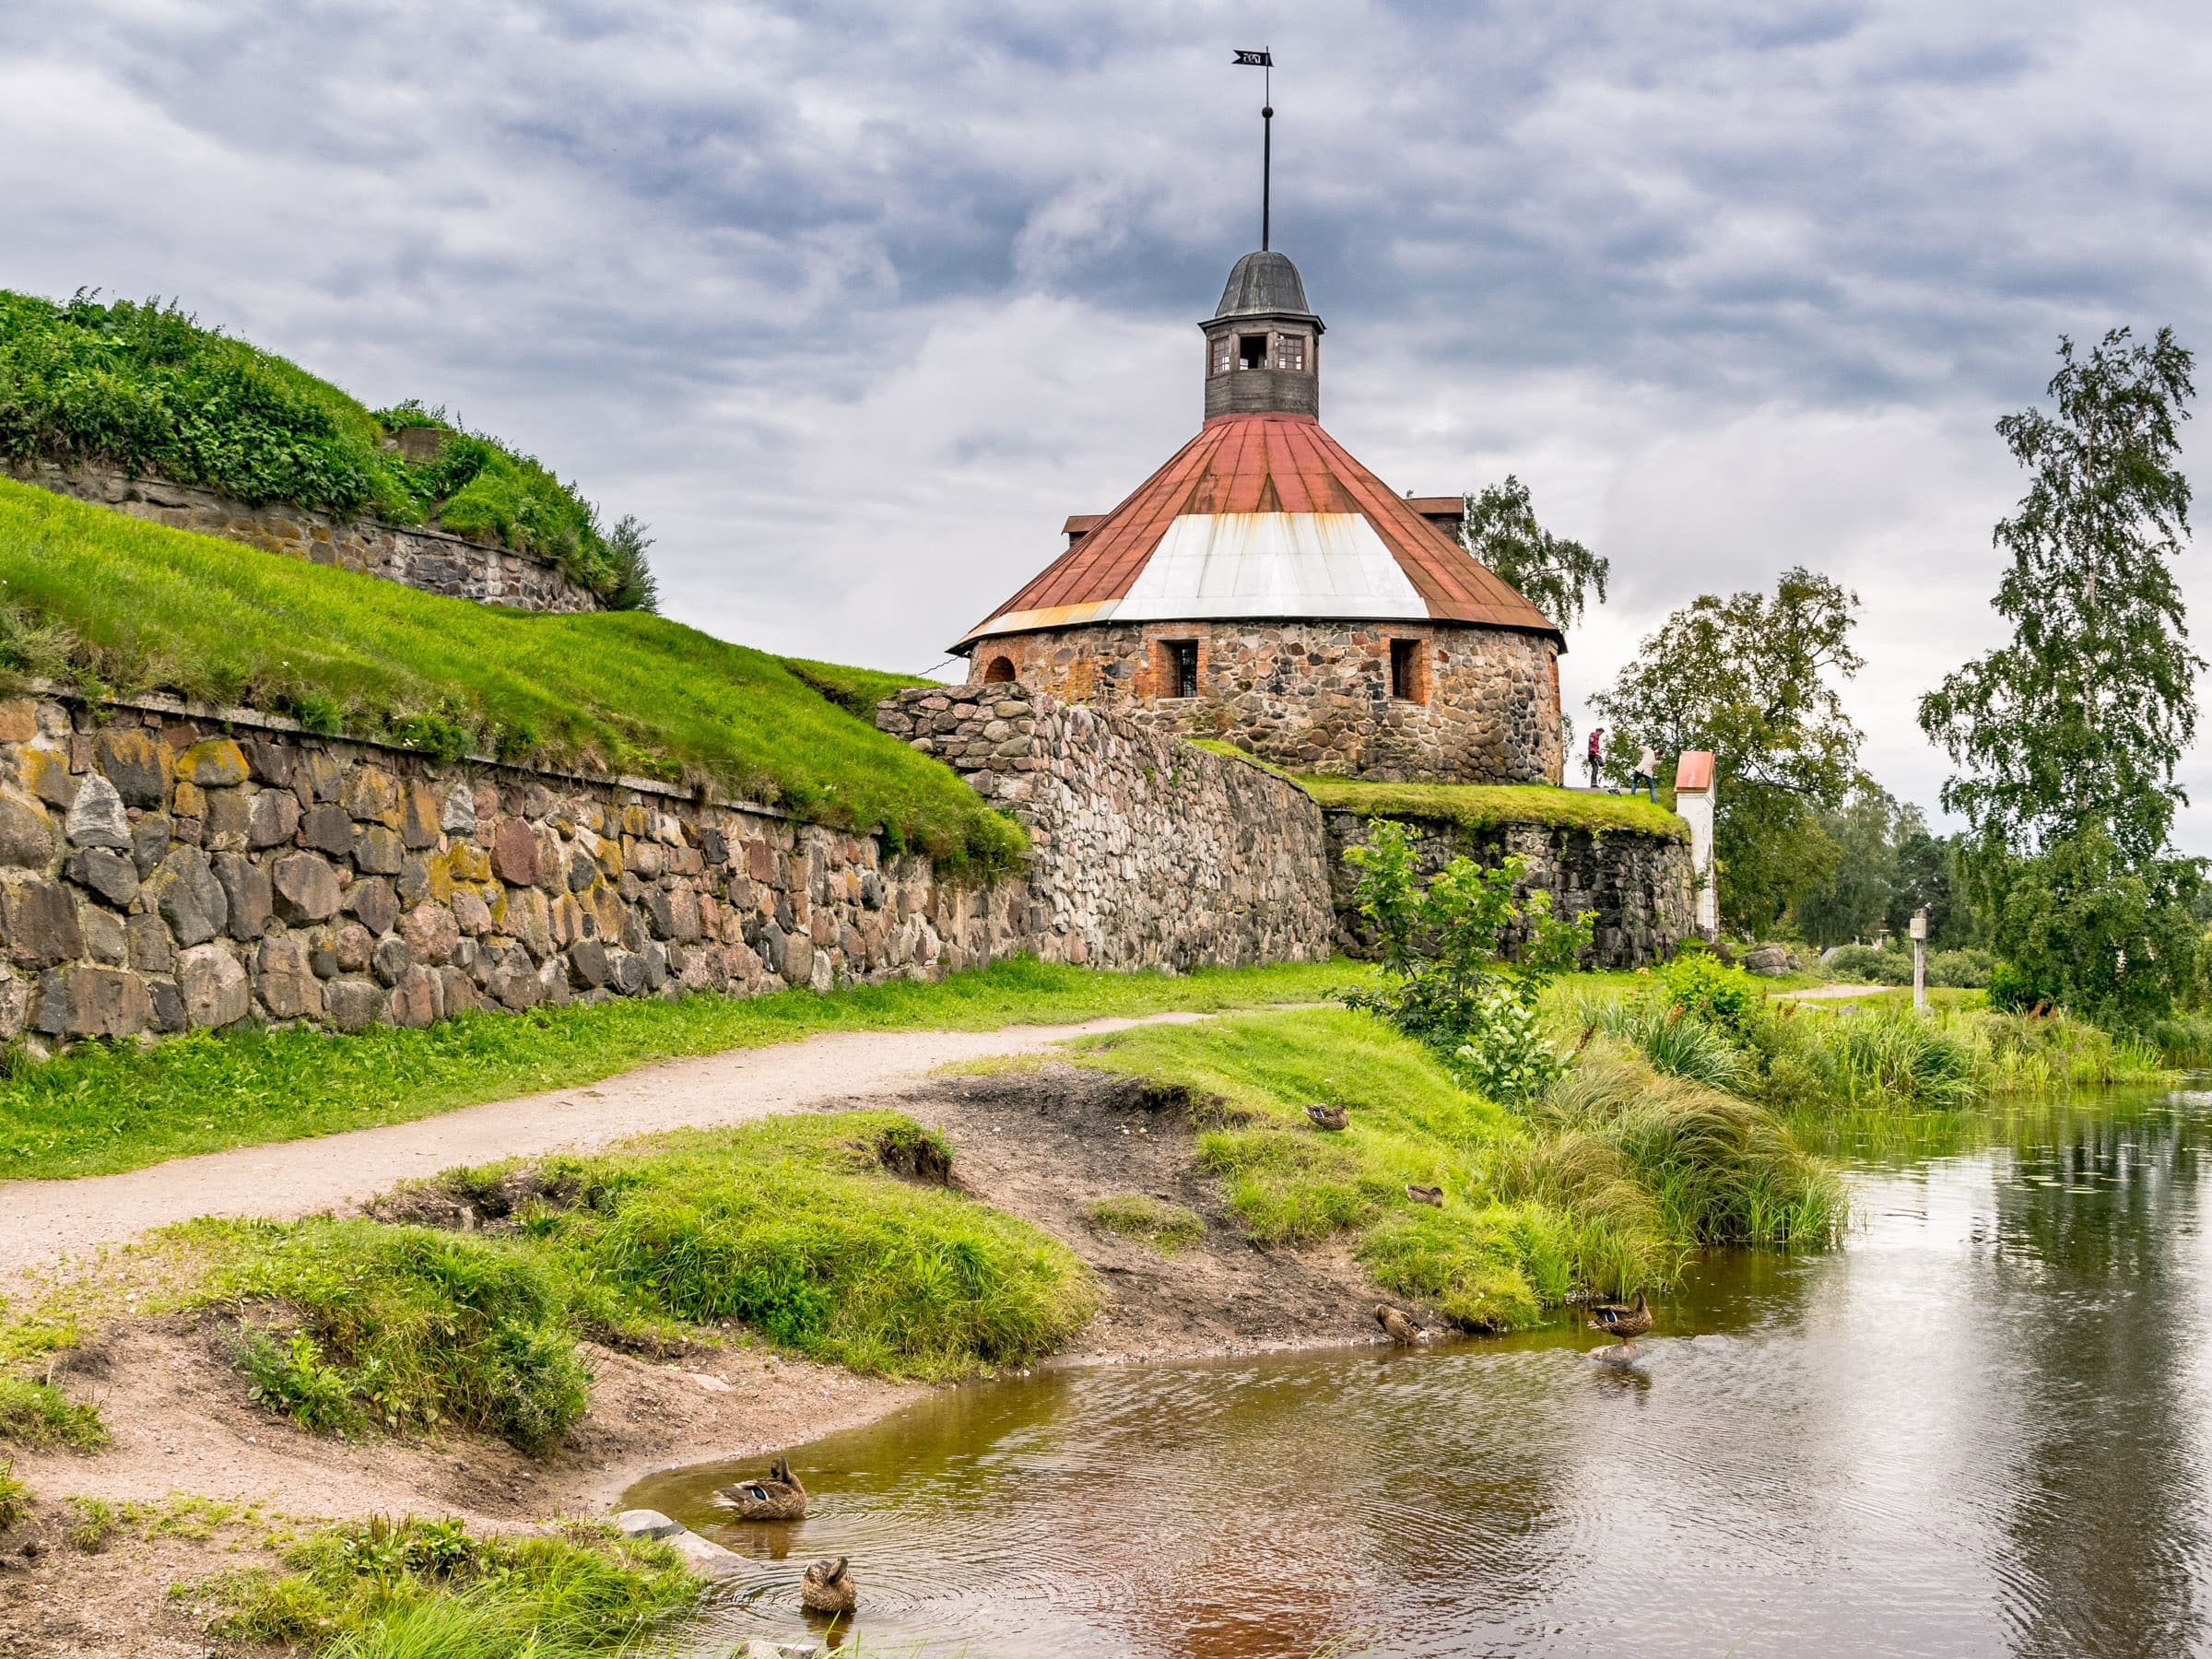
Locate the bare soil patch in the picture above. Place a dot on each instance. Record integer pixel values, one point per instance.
(1043, 1143)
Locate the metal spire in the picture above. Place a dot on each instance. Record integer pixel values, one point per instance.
(1265, 59)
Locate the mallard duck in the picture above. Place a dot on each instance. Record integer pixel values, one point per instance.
(1626, 1322)
(1421, 1195)
(1328, 1117)
(776, 1496)
(1400, 1329)
(827, 1588)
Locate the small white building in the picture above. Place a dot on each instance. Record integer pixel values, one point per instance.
(1693, 802)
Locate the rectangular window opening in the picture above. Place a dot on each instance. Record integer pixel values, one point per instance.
(1252, 351)
(1224, 353)
(1405, 671)
(1179, 668)
(1290, 352)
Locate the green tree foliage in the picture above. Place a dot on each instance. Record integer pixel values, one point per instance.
(1464, 959)
(1552, 573)
(143, 387)
(2068, 737)
(1754, 678)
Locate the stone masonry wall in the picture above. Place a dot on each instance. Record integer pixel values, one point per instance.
(1146, 852)
(1315, 696)
(433, 561)
(1641, 886)
(161, 871)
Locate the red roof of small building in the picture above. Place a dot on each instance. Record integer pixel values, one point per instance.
(1694, 770)
(1259, 464)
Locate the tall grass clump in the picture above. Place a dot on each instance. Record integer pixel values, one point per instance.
(412, 1589)
(1907, 1058)
(1717, 1169)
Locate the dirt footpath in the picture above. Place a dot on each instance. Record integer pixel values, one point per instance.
(42, 1222)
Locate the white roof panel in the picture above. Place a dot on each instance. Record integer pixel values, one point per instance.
(1270, 564)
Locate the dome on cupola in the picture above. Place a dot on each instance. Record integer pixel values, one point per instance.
(1264, 283)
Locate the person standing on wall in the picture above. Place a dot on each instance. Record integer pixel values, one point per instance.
(1596, 733)
(1646, 776)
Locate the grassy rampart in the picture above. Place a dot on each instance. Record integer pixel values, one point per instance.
(145, 388)
(112, 604)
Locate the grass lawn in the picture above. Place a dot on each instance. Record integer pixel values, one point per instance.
(111, 603)
(102, 1109)
(1490, 805)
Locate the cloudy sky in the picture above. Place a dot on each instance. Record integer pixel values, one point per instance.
(854, 302)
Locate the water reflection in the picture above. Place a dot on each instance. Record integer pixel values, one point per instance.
(1976, 1429)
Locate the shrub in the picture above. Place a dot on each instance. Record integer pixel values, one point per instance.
(15, 1497)
(1960, 970)
(1699, 983)
(1868, 965)
(1464, 959)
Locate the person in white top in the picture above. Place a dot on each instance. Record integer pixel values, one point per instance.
(1647, 773)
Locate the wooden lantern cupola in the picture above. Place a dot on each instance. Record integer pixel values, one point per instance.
(1262, 344)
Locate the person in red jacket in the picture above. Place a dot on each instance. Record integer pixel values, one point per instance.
(1596, 733)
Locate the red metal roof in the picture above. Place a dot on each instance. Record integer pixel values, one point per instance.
(1271, 463)
(1694, 770)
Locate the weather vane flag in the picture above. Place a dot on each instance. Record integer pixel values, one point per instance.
(1263, 59)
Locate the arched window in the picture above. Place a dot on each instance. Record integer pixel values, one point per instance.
(998, 671)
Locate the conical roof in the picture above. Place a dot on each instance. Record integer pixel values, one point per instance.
(1262, 515)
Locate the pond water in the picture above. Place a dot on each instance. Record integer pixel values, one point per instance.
(1981, 1427)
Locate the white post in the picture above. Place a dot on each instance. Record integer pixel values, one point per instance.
(1693, 803)
(1920, 960)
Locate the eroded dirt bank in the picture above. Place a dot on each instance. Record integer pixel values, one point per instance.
(1041, 1143)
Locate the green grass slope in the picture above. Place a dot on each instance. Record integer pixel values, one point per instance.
(1475, 806)
(114, 603)
(146, 388)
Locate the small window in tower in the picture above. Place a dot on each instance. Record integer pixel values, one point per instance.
(1000, 671)
(1224, 349)
(1179, 668)
(1290, 352)
(1252, 351)
(1405, 678)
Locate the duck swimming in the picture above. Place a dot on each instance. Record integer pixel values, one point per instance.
(827, 1588)
(1624, 1321)
(776, 1496)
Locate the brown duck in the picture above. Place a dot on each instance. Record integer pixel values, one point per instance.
(1328, 1117)
(1400, 1329)
(1425, 1194)
(827, 1588)
(1625, 1321)
(776, 1496)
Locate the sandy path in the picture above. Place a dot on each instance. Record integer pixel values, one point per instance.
(42, 1222)
(1823, 992)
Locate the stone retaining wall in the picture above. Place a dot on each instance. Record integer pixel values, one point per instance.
(1147, 852)
(1639, 885)
(434, 560)
(160, 872)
